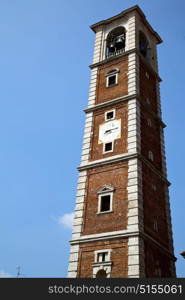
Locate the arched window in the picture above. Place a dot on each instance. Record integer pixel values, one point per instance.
(115, 41)
(101, 274)
(144, 45)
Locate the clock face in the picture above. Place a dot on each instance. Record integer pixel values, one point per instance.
(109, 131)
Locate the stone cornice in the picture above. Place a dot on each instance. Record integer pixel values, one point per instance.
(134, 50)
(120, 234)
(151, 166)
(110, 102)
(107, 160)
(122, 99)
(122, 157)
(111, 58)
(104, 236)
(148, 237)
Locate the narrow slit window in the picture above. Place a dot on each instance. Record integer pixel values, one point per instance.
(155, 224)
(149, 122)
(148, 100)
(147, 75)
(105, 203)
(150, 155)
(154, 187)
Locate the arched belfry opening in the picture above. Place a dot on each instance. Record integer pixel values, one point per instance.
(101, 274)
(144, 46)
(116, 41)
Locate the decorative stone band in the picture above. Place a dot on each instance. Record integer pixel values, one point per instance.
(105, 161)
(135, 197)
(87, 138)
(136, 262)
(73, 261)
(133, 74)
(122, 157)
(89, 118)
(77, 223)
(134, 136)
(131, 33)
(104, 236)
(135, 219)
(92, 89)
(122, 99)
(110, 102)
(98, 46)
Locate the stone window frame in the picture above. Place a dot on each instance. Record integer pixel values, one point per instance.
(105, 191)
(112, 150)
(114, 115)
(112, 72)
(99, 203)
(97, 252)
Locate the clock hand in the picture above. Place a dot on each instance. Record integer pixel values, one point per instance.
(114, 128)
(109, 130)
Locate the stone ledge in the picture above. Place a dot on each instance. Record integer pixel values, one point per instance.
(108, 160)
(104, 236)
(110, 102)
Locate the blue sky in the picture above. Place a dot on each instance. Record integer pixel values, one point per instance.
(46, 47)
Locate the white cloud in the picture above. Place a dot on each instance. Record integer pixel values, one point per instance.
(66, 220)
(3, 274)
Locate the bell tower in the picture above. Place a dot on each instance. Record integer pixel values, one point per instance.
(122, 225)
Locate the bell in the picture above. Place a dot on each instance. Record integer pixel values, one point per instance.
(119, 40)
(111, 48)
(119, 43)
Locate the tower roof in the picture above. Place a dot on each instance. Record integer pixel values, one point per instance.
(123, 13)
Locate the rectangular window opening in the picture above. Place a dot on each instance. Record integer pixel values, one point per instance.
(111, 80)
(102, 256)
(108, 147)
(105, 203)
(110, 115)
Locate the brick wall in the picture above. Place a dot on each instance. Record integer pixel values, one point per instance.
(150, 137)
(120, 145)
(118, 257)
(104, 93)
(154, 205)
(147, 86)
(153, 255)
(115, 175)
